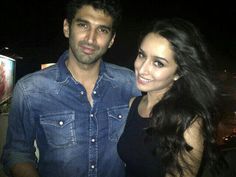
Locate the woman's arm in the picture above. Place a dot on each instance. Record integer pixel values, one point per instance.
(24, 170)
(131, 101)
(193, 137)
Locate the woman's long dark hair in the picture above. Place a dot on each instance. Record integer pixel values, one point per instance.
(193, 95)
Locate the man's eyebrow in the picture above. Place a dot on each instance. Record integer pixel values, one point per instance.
(107, 27)
(86, 21)
(81, 20)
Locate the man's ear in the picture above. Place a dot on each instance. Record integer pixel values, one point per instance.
(66, 28)
(112, 41)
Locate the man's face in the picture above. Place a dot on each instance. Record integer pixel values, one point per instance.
(90, 35)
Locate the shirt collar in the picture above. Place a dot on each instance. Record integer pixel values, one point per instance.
(63, 73)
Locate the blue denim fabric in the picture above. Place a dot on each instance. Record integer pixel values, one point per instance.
(74, 139)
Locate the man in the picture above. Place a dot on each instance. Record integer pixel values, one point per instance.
(75, 110)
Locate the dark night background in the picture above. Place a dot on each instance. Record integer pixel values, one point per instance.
(33, 29)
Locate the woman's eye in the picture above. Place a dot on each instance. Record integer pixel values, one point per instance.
(158, 64)
(140, 55)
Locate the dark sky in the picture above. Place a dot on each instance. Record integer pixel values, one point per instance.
(33, 29)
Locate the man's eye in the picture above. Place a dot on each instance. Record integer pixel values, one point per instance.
(82, 25)
(103, 30)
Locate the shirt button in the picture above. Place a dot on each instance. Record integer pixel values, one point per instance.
(93, 140)
(92, 166)
(82, 92)
(119, 116)
(61, 122)
(91, 115)
(94, 92)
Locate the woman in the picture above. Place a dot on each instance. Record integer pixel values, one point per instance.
(170, 128)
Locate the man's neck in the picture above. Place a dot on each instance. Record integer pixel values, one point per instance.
(86, 75)
(82, 72)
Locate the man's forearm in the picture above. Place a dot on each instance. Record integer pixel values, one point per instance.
(24, 170)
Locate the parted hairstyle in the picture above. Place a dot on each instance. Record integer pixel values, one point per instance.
(110, 7)
(194, 95)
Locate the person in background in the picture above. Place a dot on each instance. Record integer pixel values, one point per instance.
(76, 109)
(170, 130)
(2, 80)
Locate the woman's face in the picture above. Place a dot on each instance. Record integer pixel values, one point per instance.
(155, 67)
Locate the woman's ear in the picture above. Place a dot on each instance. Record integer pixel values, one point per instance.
(176, 77)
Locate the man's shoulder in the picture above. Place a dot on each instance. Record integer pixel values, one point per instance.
(117, 67)
(40, 78)
(113, 70)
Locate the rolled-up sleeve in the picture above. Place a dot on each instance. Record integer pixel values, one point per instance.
(19, 147)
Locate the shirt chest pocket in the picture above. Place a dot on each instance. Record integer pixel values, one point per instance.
(59, 128)
(116, 120)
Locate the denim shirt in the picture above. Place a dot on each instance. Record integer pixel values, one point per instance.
(74, 138)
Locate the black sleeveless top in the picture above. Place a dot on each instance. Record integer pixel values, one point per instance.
(136, 148)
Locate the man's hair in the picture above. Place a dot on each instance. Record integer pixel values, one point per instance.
(109, 7)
